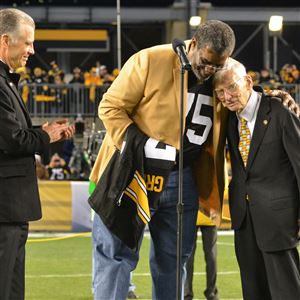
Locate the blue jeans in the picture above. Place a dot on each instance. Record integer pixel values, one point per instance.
(131, 285)
(113, 261)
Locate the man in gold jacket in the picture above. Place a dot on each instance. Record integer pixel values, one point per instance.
(147, 93)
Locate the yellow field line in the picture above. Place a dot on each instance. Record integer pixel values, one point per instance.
(59, 238)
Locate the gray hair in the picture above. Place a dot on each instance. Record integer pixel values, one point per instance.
(233, 67)
(217, 35)
(12, 19)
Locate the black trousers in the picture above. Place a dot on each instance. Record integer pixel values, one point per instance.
(209, 243)
(13, 238)
(265, 275)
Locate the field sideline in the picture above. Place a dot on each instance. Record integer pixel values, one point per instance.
(59, 268)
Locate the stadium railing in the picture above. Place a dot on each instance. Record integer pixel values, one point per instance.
(69, 100)
(51, 100)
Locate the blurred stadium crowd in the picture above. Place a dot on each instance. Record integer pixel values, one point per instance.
(287, 78)
(52, 92)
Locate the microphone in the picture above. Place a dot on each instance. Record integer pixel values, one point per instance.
(179, 48)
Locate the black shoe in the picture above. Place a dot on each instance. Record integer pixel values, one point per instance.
(213, 295)
(132, 295)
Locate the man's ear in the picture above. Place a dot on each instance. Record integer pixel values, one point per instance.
(4, 40)
(249, 82)
(192, 44)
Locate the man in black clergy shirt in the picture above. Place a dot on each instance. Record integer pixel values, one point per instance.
(19, 141)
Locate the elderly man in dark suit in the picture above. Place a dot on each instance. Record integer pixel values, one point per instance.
(264, 139)
(19, 141)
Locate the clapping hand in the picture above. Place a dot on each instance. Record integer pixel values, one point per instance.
(59, 130)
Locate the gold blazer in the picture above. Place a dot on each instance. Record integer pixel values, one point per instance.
(147, 92)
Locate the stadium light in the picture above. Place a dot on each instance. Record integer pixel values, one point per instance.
(275, 23)
(275, 27)
(195, 21)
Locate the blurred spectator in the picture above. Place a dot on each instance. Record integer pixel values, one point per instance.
(40, 92)
(57, 168)
(97, 66)
(268, 80)
(54, 71)
(106, 77)
(23, 82)
(59, 92)
(77, 76)
(289, 74)
(41, 170)
(92, 80)
(255, 76)
(265, 76)
(115, 72)
(38, 75)
(75, 96)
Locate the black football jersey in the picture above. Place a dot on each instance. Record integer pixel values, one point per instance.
(199, 118)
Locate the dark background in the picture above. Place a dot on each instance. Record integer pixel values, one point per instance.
(149, 3)
(138, 36)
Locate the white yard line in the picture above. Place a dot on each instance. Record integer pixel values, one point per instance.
(147, 234)
(134, 275)
(58, 276)
(57, 234)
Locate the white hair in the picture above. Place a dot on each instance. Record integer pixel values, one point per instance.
(232, 66)
(12, 19)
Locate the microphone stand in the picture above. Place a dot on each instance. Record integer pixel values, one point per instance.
(180, 204)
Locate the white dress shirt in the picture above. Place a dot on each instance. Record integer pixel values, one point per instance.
(249, 113)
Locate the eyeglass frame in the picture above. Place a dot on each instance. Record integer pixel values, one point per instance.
(232, 93)
(212, 67)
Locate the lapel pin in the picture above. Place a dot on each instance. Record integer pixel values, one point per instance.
(10, 83)
(265, 122)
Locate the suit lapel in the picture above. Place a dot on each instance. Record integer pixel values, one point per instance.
(12, 80)
(261, 125)
(233, 132)
(19, 100)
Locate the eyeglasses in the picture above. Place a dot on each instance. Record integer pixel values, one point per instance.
(209, 67)
(231, 89)
(203, 64)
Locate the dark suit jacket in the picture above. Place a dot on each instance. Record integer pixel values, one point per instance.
(271, 178)
(19, 198)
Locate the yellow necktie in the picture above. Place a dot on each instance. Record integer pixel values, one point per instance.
(245, 138)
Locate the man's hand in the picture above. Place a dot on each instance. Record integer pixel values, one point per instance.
(59, 130)
(69, 132)
(286, 98)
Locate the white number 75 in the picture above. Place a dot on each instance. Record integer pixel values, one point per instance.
(199, 119)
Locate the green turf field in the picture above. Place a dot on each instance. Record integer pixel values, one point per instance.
(61, 270)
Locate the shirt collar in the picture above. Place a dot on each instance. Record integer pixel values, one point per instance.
(5, 71)
(248, 112)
